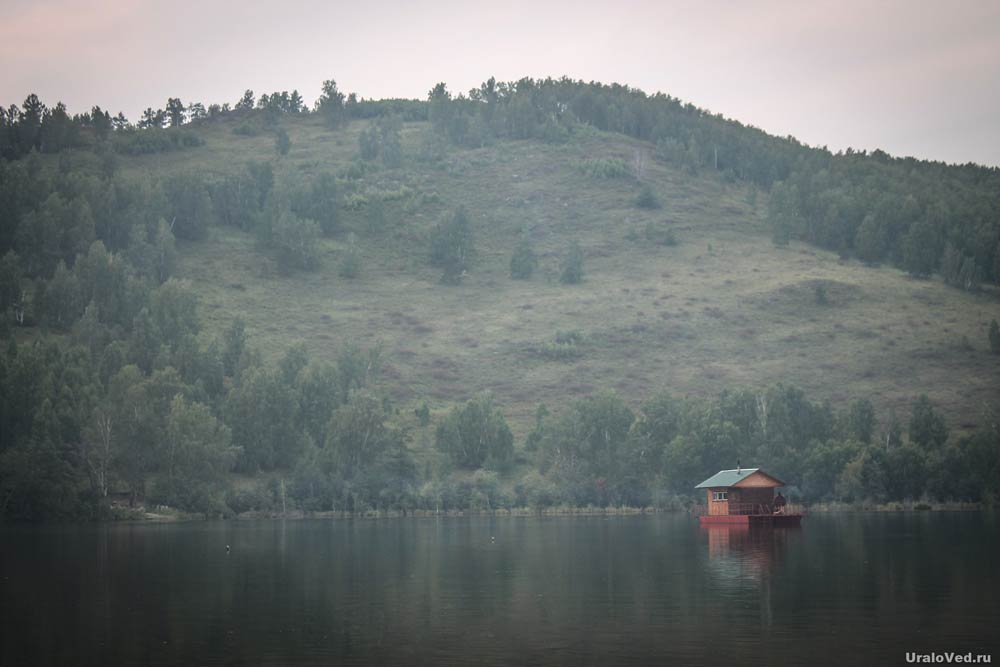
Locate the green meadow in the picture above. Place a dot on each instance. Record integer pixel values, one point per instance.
(722, 308)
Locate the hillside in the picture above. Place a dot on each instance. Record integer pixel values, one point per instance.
(723, 308)
(267, 307)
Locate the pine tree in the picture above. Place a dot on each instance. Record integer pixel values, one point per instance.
(176, 112)
(246, 102)
(331, 104)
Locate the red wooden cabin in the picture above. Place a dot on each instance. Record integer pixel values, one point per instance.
(745, 495)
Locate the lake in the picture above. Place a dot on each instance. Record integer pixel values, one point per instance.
(843, 589)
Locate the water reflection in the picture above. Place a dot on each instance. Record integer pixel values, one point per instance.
(743, 551)
(610, 591)
(744, 560)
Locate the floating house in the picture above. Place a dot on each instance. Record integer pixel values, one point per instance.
(745, 496)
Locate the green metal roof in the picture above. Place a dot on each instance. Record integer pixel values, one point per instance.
(726, 478)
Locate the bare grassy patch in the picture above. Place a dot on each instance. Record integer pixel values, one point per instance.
(745, 311)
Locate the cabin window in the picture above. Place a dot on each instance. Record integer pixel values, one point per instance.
(720, 495)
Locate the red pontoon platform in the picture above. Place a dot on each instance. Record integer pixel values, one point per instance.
(791, 519)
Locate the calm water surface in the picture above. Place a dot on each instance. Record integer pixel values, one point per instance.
(651, 590)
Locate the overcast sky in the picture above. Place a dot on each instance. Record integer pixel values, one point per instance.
(913, 78)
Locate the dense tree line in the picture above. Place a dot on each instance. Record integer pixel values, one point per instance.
(122, 393)
(921, 217)
(164, 417)
(602, 452)
(33, 126)
(36, 127)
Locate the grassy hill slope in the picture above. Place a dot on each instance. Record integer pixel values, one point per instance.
(723, 308)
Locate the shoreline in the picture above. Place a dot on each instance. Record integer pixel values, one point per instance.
(908, 506)
(167, 515)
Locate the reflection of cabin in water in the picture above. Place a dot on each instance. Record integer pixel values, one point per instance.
(745, 495)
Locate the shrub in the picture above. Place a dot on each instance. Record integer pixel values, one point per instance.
(655, 234)
(320, 203)
(246, 130)
(382, 138)
(433, 148)
(282, 143)
(572, 271)
(350, 265)
(423, 414)
(554, 132)
(572, 336)
(819, 294)
(565, 347)
(536, 491)
(295, 239)
(561, 351)
(603, 168)
(254, 499)
(375, 215)
(368, 143)
(355, 171)
(355, 201)
(392, 147)
(190, 207)
(452, 246)
(523, 262)
(155, 140)
(647, 198)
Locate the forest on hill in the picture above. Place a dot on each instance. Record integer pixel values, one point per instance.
(131, 376)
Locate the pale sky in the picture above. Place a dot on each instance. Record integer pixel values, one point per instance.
(913, 78)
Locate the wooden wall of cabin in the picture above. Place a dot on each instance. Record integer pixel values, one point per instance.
(758, 480)
(717, 507)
